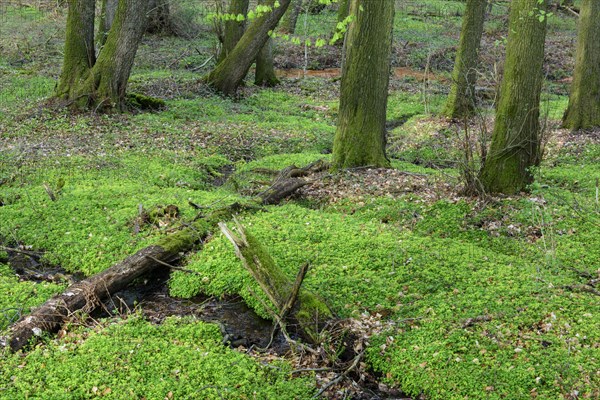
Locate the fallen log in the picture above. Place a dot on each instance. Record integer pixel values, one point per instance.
(289, 180)
(304, 311)
(86, 295)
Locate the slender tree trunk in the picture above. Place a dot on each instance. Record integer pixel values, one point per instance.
(265, 70)
(229, 73)
(584, 102)
(343, 10)
(107, 16)
(288, 22)
(80, 54)
(516, 139)
(461, 100)
(233, 30)
(360, 136)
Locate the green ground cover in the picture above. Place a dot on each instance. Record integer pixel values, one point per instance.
(478, 295)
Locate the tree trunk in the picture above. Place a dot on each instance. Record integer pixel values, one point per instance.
(516, 139)
(360, 136)
(80, 54)
(107, 16)
(288, 22)
(106, 84)
(584, 102)
(159, 17)
(265, 70)
(229, 73)
(343, 10)
(233, 30)
(461, 100)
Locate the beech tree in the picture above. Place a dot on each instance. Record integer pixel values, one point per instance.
(233, 29)
(461, 100)
(100, 82)
(516, 139)
(229, 73)
(360, 135)
(584, 101)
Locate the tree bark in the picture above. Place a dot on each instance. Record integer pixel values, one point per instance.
(360, 136)
(265, 70)
(461, 101)
(80, 53)
(229, 73)
(584, 101)
(516, 139)
(233, 30)
(288, 22)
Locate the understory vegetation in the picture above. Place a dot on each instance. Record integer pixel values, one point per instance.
(476, 297)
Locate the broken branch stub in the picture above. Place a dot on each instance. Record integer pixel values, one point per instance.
(303, 310)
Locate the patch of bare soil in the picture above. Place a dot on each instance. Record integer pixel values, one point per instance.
(360, 183)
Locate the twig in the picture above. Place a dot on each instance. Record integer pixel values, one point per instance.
(582, 288)
(34, 254)
(189, 271)
(340, 376)
(203, 64)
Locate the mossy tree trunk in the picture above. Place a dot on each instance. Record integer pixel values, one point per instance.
(516, 138)
(288, 22)
(233, 30)
(343, 10)
(105, 80)
(265, 70)
(461, 100)
(360, 136)
(80, 53)
(584, 101)
(229, 73)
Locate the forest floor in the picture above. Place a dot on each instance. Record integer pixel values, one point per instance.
(454, 296)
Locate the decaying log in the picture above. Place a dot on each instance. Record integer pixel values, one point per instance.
(303, 310)
(289, 180)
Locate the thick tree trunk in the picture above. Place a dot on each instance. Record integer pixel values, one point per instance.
(307, 313)
(584, 102)
(233, 30)
(229, 73)
(360, 136)
(516, 139)
(461, 100)
(265, 70)
(288, 22)
(107, 82)
(80, 54)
